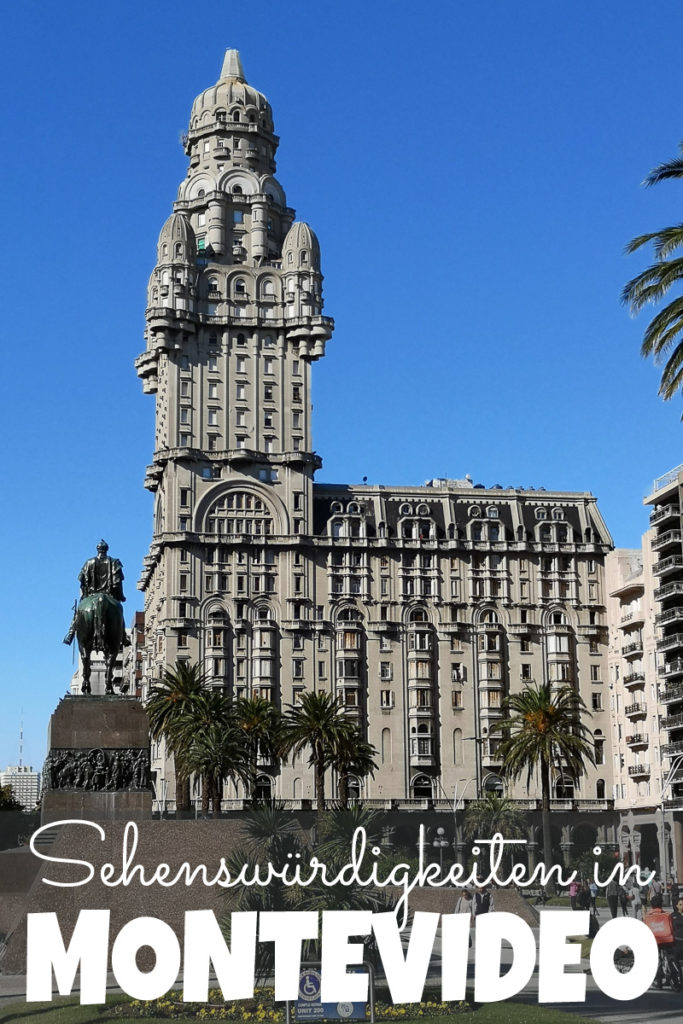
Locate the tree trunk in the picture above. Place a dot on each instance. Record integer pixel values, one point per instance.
(182, 793)
(206, 793)
(319, 780)
(545, 821)
(216, 793)
(343, 789)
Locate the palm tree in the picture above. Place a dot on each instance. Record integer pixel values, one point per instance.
(320, 723)
(663, 338)
(484, 818)
(543, 729)
(494, 814)
(261, 725)
(353, 756)
(217, 752)
(168, 707)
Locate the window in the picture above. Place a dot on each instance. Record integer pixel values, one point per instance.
(213, 417)
(183, 581)
(385, 670)
(596, 702)
(182, 640)
(268, 393)
(296, 393)
(268, 365)
(525, 672)
(595, 673)
(237, 215)
(297, 668)
(241, 392)
(456, 698)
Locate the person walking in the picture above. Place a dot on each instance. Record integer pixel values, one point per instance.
(623, 901)
(636, 902)
(612, 893)
(573, 891)
(593, 889)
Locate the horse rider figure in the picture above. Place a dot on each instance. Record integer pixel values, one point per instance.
(98, 621)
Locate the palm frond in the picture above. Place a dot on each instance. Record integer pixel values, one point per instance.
(670, 169)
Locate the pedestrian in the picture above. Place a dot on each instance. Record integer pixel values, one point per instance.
(583, 899)
(623, 901)
(573, 890)
(593, 889)
(464, 904)
(482, 901)
(612, 893)
(636, 902)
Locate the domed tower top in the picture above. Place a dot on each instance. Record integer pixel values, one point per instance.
(300, 249)
(176, 240)
(232, 99)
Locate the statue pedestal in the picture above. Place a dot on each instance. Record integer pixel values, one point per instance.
(97, 765)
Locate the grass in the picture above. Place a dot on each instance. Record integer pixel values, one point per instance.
(67, 1011)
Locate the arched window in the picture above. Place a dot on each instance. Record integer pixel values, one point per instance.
(489, 617)
(236, 116)
(457, 746)
(353, 507)
(386, 746)
(201, 193)
(264, 788)
(541, 513)
(418, 615)
(268, 287)
(600, 789)
(421, 787)
(237, 190)
(240, 286)
(492, 512)
(558, 514)
(164, 250)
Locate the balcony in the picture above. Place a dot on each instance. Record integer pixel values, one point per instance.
(634, 680)
(669, 749)
(669, 590)
(663, 540)
(635, 710)
(639, 739)
(659, 515)
(667, 642)
(668, 694)
(666, 565)
(673, 668)
(632, 618)
(670, 615)
(672, 722)
(638, 770)
(635, 647)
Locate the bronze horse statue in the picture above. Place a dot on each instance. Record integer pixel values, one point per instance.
(98, 622)
(99, 626)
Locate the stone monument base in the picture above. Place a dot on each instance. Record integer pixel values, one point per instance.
(97, 765)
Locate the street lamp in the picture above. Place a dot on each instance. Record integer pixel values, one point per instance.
(439, 843)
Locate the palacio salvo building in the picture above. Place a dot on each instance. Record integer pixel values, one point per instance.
(421, 607)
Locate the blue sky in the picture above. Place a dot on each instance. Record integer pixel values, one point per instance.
(472, 172)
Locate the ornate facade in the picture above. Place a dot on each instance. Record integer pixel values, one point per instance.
(422, 607)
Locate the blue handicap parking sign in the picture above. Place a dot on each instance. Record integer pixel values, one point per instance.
(309, 1007)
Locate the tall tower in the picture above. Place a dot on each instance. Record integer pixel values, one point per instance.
(234, 320)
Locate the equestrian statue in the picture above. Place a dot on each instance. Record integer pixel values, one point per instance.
(98, 623)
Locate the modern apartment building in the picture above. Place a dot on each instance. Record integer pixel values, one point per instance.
(421, 607)
(634, 706)
(24, 782)
(667, 569)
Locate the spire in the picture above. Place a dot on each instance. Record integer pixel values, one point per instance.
(232, 66)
